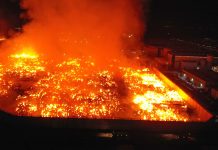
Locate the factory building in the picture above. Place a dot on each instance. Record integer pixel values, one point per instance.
(181, 55)
(200, 79)
(181, 61)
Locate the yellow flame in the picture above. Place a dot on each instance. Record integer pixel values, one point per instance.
(26, 53)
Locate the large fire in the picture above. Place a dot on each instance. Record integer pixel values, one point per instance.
(78, 88)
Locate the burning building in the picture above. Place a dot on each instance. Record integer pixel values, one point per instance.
(77, 88)
(67, 63)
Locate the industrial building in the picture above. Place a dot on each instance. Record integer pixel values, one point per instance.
(179, 61)
(202, 79)
(194, 65)
(179, 56)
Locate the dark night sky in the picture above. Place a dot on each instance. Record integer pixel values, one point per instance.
(184, 18)
(174, 18)
(9, 10)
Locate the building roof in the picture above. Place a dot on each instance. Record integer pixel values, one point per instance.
(183, 48)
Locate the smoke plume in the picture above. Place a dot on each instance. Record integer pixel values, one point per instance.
(78, 27)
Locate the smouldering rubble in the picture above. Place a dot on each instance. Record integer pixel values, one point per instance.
(77, 88)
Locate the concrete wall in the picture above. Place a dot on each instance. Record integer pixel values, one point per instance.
(186, 65)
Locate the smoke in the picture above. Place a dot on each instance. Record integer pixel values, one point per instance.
(79, 27)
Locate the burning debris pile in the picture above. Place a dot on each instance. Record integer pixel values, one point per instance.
(71, 69)
(77, 88)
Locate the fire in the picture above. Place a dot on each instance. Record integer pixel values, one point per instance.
(24, 56)
(77, 88)
(26, 53)
(26, 63)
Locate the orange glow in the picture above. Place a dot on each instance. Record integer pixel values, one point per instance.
(26, 63)
(70, 61)
(2, 39)
(77, 88)
(24, 56)
(26, 53)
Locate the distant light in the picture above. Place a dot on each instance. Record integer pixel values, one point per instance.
(138, 58)
(2, 38)
(192, 80)
(201, 85)
(131, 35)
(215, 68)
(105, 135)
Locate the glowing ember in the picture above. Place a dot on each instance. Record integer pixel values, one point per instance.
(77, 88)
(25, 63)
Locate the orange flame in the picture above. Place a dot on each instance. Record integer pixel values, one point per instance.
(78, 88)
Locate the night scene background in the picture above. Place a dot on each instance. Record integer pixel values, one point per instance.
(185, 19)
